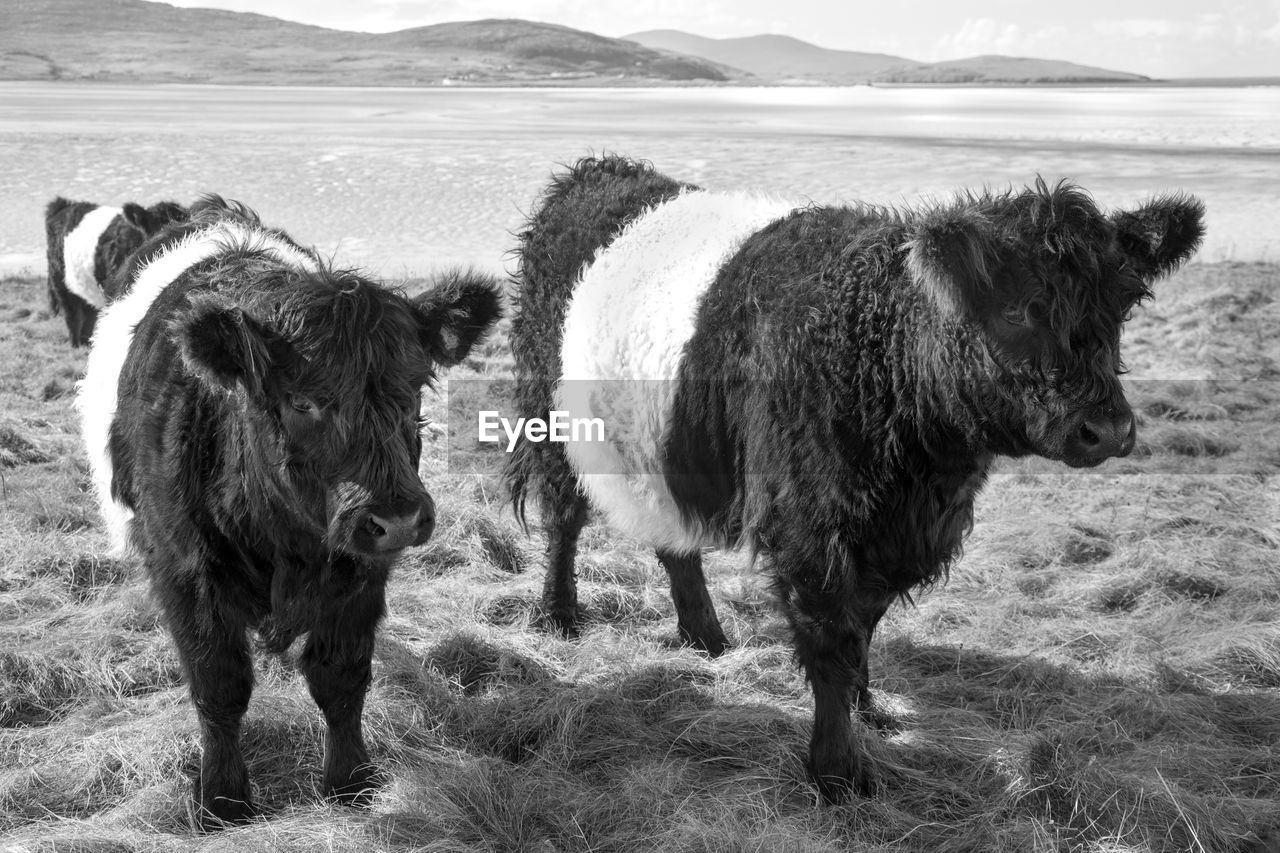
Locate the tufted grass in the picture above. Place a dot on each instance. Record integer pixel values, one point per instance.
(1101, 673)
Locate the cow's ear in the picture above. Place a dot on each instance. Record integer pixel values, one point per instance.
(1158, 236)
(455, 313)
(223, 346)
(137, 216)
(952, 254)
(162, 213)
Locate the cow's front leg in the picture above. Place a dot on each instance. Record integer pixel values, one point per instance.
(831, 639)
(336, 662)
(215, 654)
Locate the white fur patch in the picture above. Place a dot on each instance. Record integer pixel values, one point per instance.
(96, 394)
(78, 249)
(632, 312)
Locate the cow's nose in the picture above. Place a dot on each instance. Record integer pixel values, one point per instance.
(395, 525)
(385, 532)
(1101, 435)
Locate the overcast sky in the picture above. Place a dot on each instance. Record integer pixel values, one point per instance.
(1161, 38)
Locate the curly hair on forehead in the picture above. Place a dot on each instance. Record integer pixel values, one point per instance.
(1066, 271)
(350, 338)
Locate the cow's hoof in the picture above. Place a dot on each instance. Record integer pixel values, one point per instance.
(357, 796)
(837, 789)
(838, 781)
(358, 789)
(209, 814)
(710, 640)
(878, 719)
(559, 621)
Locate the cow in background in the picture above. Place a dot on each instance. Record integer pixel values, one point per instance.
(88, 242)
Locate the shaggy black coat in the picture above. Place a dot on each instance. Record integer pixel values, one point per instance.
(852, 375)
(267, 440)
(122, 237)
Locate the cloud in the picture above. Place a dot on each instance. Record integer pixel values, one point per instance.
(1201, 28)
(977, 36)
(1238, 41)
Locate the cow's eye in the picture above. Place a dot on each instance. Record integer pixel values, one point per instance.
(304, 406)
(1015, 316)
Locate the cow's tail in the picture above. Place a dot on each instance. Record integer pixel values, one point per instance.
(520, 472)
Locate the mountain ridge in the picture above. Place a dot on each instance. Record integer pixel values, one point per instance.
(776, 56)
(141, 41)
(151, 42)
(797, 60)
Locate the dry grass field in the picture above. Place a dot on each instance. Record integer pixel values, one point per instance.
(1101, 673)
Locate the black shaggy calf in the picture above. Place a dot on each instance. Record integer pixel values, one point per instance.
(87, 242)
(826, 386)
(252, 419)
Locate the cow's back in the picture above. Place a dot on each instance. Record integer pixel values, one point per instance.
(581, 213)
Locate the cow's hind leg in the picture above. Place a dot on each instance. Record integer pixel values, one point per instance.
(695, 614)
(88, 319)
(564, 514)
(867, 710)
(215, 654)
(336, 662)
(75, 309)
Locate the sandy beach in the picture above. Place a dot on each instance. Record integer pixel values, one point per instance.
(401, 180)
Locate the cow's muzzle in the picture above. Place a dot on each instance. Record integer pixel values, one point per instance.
(387, 530)
(1099, 434)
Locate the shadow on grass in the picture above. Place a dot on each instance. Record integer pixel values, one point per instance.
(991, 745)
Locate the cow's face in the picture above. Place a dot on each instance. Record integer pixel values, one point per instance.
(1043, 281)
(151, 220)
(330, 371)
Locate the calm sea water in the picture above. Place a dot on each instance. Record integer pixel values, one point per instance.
(400, 180)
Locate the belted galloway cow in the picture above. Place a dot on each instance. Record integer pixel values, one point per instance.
(251, 415)
(86, 244)
(826, 386)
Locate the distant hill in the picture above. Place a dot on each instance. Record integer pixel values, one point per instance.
(1005, 69)
(140, 41)
(776, 58)
(782, 58)
(518, 48)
